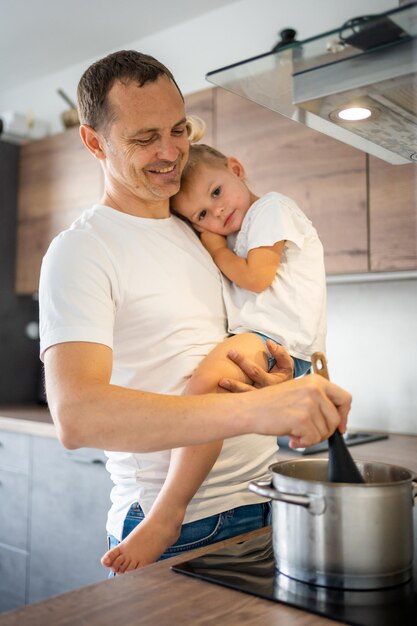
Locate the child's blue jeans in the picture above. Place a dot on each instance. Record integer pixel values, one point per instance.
(205, 531)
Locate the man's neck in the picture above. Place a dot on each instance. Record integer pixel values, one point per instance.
(132, 205)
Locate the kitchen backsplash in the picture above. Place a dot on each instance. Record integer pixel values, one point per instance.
(371, 347)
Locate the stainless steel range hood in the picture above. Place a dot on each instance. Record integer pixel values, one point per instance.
(371, 64)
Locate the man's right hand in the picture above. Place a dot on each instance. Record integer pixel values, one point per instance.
(307, 409)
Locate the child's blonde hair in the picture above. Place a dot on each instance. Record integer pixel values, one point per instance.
(201, 154)
(196, 128)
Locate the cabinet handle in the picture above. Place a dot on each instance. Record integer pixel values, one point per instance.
(89, 461)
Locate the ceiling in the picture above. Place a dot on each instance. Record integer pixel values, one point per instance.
(39, 37)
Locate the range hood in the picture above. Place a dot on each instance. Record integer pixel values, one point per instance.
(368, 63)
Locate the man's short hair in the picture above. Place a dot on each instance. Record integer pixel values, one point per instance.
(97, 80)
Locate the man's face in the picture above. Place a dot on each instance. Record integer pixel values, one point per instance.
(146, 145)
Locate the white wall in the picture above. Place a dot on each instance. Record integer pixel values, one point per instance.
(372, 351)
(233, 33)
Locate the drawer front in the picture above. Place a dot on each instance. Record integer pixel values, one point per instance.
(14, 451)
(14, 505)
(12, 579)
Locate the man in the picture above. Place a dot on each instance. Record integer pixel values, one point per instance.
(130, 302)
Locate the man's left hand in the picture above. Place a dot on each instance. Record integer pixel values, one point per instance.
(283, 370)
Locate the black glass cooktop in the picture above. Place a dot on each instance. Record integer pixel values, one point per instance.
(249, 567)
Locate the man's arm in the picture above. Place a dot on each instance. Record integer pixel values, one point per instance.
(90, 412)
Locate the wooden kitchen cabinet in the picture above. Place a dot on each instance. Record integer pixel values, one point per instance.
(201, 104)
(363, 208)
(325, 177)
(53, 509)
(58, 179)
(392, 216)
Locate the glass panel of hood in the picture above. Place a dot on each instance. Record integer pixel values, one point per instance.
(371, 63)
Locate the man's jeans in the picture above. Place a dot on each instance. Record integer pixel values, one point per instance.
(205, 531)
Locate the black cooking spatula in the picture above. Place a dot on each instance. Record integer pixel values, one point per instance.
(341, 468)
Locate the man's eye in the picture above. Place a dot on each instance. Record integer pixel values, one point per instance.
(145, 142)
(202, 215)
(178, 131)
(216, 192)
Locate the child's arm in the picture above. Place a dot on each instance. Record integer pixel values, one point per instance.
(254, 273)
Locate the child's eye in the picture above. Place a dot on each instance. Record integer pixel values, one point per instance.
(202, 215)
(216, 192)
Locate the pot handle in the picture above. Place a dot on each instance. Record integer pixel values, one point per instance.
(316, 505)
(414, 483)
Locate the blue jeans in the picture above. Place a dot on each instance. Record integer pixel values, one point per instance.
(300, 367)
(205, 531)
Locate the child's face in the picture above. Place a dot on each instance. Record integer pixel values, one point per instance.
(217, 198)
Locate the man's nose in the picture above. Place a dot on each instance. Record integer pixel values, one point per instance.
(168, 148)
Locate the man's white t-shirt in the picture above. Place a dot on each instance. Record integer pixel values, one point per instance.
(293, 309)
(147, 289)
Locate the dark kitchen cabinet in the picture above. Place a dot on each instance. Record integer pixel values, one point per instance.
(17, 383)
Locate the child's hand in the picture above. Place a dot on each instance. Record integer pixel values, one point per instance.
(213, 242)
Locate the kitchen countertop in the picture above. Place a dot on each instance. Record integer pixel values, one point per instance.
(30, 419)
(156, 595)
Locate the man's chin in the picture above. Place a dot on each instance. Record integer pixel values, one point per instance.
(166, 190)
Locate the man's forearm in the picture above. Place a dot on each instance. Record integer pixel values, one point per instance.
(90, 412)
(116, 418)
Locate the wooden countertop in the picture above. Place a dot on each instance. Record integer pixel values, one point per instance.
(156, 595)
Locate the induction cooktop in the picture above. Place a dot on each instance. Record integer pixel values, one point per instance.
(249, 567)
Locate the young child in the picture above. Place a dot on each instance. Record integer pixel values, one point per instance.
(274, 288)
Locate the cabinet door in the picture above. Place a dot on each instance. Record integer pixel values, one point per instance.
(201, 104)
(13, 564)
(15, 455)
(14, 451)
(393, 215)
(58, 179)
(14, 508)
(70, 500)
(325, 177)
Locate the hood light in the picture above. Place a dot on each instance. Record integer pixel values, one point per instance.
(353, 113)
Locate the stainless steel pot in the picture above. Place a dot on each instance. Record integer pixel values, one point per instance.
(351, 536)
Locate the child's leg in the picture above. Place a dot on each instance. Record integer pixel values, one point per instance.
(188, 466)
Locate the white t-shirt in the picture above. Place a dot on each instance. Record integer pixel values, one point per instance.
(149, 290)
(293, 309)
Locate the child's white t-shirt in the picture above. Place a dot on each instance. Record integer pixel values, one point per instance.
(293, 309)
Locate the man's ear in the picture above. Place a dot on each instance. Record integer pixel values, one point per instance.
(235, 166)
(92, 141)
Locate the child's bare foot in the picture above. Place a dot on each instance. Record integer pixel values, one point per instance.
(144, 545)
